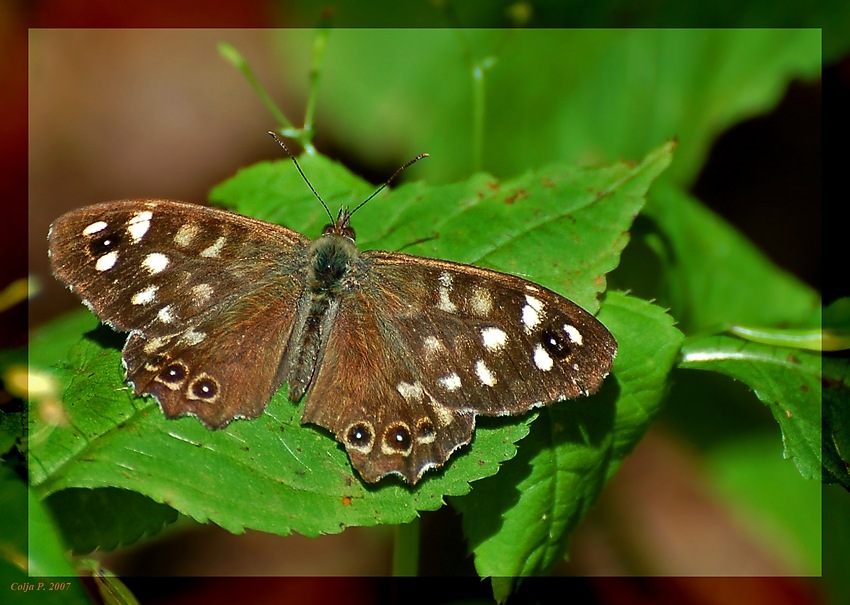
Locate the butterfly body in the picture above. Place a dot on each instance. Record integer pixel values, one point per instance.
(394, 354)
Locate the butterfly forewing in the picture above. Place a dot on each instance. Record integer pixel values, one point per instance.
(136, 263)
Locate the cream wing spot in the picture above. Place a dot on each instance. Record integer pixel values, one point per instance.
(95, 228)
(107, 261)
(444, 290)
(165, 314)
(201, 294)
(444, 414)
(532, 313)
(156, 343)
(186, 234)
(214, 250)
(432, 345)
(192, 337)
(411, 391)
(481, 302)
(156, 262)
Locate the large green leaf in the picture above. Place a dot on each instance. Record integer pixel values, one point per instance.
(549, 95)
(572, 450)
(560, 226)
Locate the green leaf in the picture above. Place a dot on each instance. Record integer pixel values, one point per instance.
(561, 226)
(712, 276)
(787, 380)
(31, 550)
(106, 518)
(518, 522)
(571, 95)
(836, 421)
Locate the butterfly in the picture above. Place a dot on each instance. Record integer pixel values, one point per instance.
(394, 354)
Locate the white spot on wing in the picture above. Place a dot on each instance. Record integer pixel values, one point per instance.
(494, 339)
(542, 359)
(156, 262)
(484, 374)
(144, 296)
(532, 312)
(165, 315)
(201, 294)
(444, 415)
(94, 228)
(139, 225)
(431, 344)
(192, 338)
(107, 261)
(451, 382)
(573, 334)
(154, 344)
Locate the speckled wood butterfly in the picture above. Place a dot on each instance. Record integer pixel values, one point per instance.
(394, 354)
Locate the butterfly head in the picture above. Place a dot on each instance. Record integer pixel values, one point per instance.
(341, 226)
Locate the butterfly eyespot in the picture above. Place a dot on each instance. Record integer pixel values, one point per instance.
(105, 243)
(397, 440)
(555, 343)
(204, 387)
(425, 431)
(360, 436)
(174, 373)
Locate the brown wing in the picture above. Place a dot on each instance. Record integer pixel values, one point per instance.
(422, 346)
(208, 296)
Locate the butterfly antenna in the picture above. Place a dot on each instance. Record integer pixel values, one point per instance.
(388, 181)
(304, 176)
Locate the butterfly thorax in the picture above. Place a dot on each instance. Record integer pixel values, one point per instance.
(331, 257)
(330, 275)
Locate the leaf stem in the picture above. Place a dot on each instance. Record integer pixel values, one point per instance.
(319, 46)
(235, 57)
(406, 552)
(479, 107)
